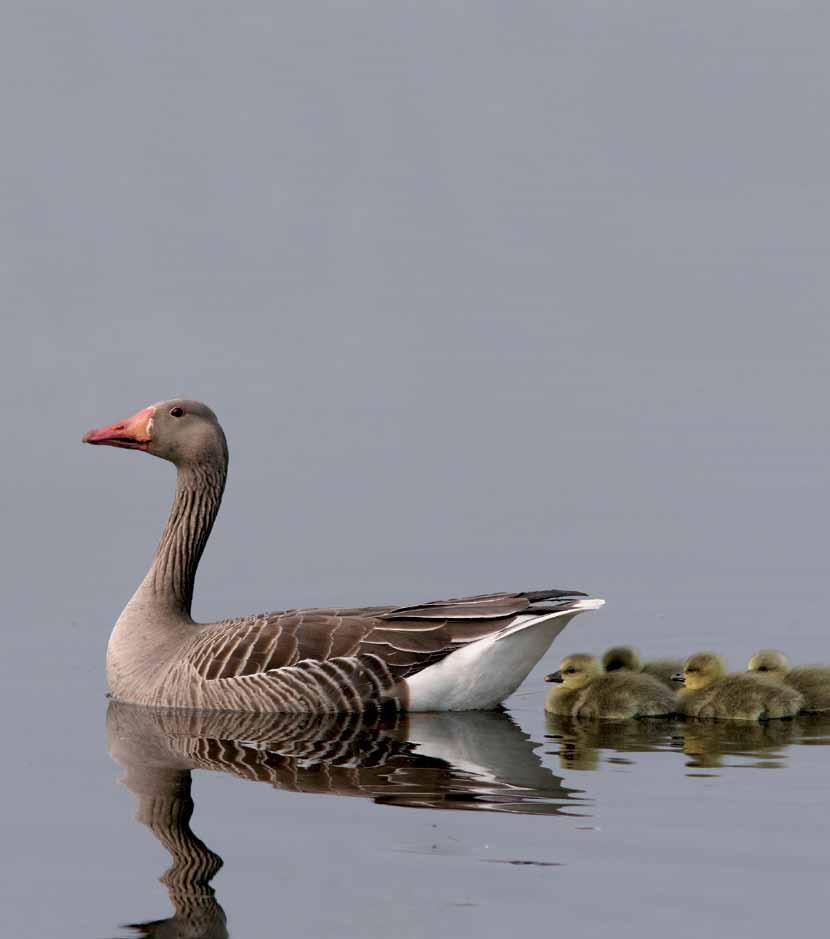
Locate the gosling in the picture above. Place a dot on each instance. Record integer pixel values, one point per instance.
(619, 658)
(709, 692)
(812, 681)
(588, 692)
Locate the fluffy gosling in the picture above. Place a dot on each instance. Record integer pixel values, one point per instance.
(588, 692)
(812, 681)
(709, 692)
(627, 658)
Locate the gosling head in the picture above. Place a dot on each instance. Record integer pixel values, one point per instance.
(769, 662)
(575, 671)
(622, 657)
(700, 671)
(181, 431)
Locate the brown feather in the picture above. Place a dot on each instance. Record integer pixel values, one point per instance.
(330, 659)
(407, 639)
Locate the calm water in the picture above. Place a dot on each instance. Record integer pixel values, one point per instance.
(462, 825)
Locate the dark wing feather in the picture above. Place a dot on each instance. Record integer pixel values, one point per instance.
(484, 606)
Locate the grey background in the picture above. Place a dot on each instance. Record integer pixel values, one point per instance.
(487, 296)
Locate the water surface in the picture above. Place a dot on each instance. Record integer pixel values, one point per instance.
(464, 824)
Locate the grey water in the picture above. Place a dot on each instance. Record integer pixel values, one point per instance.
(453, 824)
(486, 297)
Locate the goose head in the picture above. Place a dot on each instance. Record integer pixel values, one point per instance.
(622, 657)
(575, 671)
(179, 430)
(769, 662)
(700, 671)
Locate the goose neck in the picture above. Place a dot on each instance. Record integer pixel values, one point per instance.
(171, 579)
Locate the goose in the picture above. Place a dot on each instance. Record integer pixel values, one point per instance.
(459, 654)
(812, 681)
(709, 692)
(628, 658)
(588, 692)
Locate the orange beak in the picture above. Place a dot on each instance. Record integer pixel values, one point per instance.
(135, 433)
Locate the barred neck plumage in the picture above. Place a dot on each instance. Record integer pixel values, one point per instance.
(199, 490)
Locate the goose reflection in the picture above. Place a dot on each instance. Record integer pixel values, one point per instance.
(165, 806)
(475, 761)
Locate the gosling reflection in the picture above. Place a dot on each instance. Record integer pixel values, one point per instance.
(581, 743)
(711, 744)
(585, 745)
(478, 761)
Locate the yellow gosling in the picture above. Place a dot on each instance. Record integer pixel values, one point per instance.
(627, 658)
(575, 673)
(587, 692)
(812, 681)
(709, 692)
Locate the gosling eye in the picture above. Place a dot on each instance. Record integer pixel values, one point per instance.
(690, 670)
(762, 668)
(177, 412)
(569, 671)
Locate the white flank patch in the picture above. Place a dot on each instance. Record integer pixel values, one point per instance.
(479, 676)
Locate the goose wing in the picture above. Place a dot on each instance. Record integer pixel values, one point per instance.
(403, 639)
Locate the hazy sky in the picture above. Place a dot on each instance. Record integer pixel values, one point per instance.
(486, 295)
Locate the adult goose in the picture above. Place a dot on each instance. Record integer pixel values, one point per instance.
(464, 654)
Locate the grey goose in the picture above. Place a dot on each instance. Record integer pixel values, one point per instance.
(459, 654)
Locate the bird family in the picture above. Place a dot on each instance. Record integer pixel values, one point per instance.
(442, 655)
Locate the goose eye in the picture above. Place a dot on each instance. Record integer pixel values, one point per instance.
(176, 412)
(569, 671)
(691, 669)
(762, 668)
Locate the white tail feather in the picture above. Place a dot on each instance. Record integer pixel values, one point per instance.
(479, 676)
